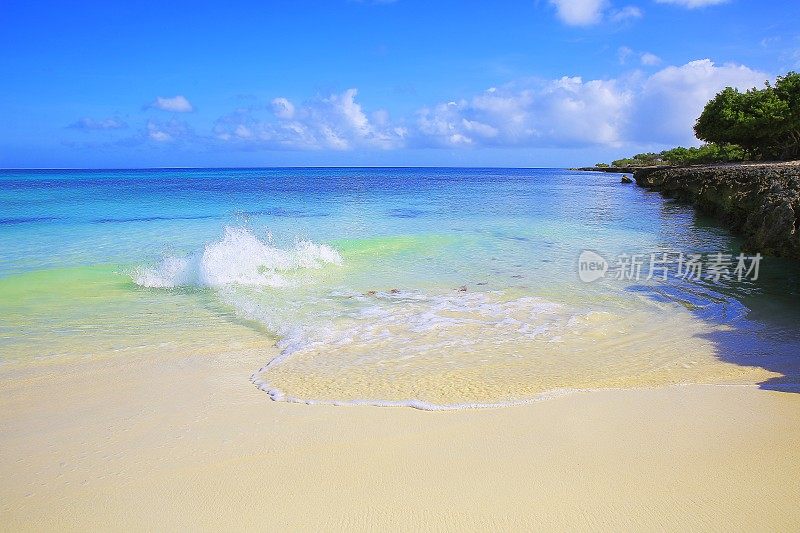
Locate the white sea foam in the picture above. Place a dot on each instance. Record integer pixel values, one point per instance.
(404, 318)
(390, 328)
(431, 350)
(239, 258)
(478, 350)
(278, 396)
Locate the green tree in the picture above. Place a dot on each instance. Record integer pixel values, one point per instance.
(764, 122)
(787, 90)
(708, 153)
(639, 160)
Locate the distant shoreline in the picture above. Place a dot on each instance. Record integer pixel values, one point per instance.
(743, 164)
(318, 167)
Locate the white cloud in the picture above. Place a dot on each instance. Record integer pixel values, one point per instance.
(573, 111)
(163, 132)
(336, 122)
(649, 59)
(159, 136)
(566, 111)
(626, 13)
(88, 124)
(580, 12)
(176, 104)
(282, 108)
(635, 109)
(570, 111)
(692, 4)
(670, 100)
(589, 12)
(645, 58)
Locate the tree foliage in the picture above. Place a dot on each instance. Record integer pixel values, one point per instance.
(706, 154)
(739, 126)
(703, 155)
(764, 122)
(639, 160)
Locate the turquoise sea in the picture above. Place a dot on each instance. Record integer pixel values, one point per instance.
(435, 288)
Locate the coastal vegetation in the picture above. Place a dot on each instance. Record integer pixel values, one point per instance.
(680, 156)
(754, 125)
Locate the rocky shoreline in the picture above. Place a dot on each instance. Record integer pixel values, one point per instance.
(759, 201)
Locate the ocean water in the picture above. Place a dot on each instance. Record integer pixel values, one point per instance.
(432, 288)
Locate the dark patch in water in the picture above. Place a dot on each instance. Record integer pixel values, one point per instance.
(406, 213)
(148, 219)
(519, 238)
(288, 213)
(704, 302)
(26, 220)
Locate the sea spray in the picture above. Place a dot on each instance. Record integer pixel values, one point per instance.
(429, 349)
(239, 258)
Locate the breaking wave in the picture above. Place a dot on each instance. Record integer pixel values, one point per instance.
(345, 340)
(239, 258)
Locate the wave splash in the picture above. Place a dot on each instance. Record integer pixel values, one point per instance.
(342, 342)
(239, 258)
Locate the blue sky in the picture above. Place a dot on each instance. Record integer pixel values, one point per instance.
(343, 82)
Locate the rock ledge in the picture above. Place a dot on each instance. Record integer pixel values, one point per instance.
(760, 201)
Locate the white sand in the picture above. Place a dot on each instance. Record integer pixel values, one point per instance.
(179, 443)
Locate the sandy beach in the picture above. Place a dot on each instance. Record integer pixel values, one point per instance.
(382, 265)
(176, 442)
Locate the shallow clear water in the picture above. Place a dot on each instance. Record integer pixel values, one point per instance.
(427, 287)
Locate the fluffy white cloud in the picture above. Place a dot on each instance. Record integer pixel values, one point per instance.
(692, 4)
(670, 100)
(561, 112)
(569, 111)
(580, 12)
(589, 12)
(336, 122)
(176, 104)
(89, 124)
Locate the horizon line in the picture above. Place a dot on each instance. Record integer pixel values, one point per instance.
(276, 167)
